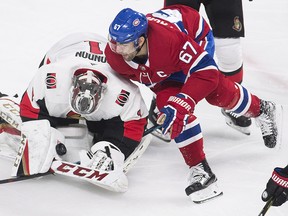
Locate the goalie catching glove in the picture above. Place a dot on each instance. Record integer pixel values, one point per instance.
(105, 156)
(175, 115)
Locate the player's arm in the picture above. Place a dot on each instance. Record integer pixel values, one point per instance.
(201, 79)
(200, 68)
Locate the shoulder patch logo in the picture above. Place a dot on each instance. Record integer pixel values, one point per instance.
(51, 80)
(122, 98)
(237, 24)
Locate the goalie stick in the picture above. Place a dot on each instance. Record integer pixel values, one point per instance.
(114, 180)
(22, 178)
(129, 162)
(140, 149)
(104, 179)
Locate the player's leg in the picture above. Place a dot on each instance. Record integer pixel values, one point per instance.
(202, 182)
(237, 99)
(226, 19)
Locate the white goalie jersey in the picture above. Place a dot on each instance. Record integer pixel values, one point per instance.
(117, 121)
(52, 82)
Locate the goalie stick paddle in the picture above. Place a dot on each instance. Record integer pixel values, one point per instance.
(22, 178)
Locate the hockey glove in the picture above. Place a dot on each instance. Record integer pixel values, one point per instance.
(103, 156)
(277, 187)
(174, 116)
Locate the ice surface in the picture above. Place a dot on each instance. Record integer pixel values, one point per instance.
(242, 163)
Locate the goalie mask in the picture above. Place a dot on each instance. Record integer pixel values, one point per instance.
(86, 91)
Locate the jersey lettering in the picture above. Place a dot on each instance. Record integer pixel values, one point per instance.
(184, 56)
(90, 56)
(157, 21)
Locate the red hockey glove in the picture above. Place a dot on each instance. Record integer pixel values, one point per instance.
(174, 116)
(277, 187)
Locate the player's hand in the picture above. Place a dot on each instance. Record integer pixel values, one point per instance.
(174, 116)
(277, 187)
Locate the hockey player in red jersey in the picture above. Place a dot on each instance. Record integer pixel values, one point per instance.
(190, 22)
(74, 82)
(227, 22)
(152, 50)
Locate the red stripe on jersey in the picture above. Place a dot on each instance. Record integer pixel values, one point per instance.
(134, 129)
(95, 47)
(26, 108)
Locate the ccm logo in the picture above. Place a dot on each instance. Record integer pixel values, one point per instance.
(82, 172)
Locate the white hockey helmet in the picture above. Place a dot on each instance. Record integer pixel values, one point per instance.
(86, 91)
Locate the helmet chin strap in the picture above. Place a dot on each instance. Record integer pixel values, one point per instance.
(140, 47)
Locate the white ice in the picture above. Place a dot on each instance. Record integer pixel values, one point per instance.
(242, 163)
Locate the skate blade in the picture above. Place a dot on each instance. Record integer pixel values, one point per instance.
(207, 194)
(280, 125)
(244, 130)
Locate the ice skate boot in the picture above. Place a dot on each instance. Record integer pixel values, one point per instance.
(202, 183)
(239, 123)
(267, 123)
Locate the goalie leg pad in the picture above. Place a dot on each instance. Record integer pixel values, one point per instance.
(37, 149)
(9, 112)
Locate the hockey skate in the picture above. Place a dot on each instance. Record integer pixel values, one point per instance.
(202, 183)
(267, 123)
(239, 123)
